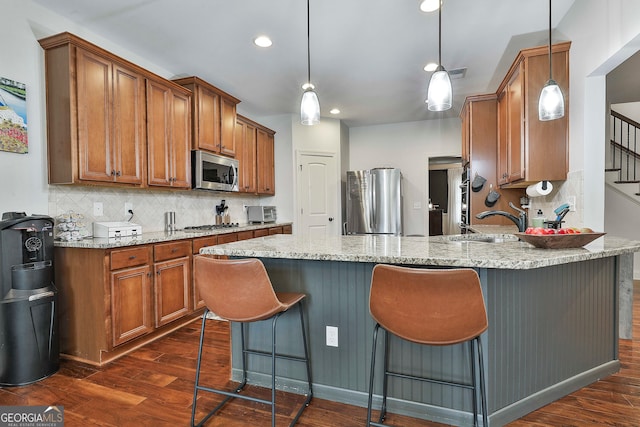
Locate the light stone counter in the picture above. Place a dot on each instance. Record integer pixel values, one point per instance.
(157, 237)
(435, 250)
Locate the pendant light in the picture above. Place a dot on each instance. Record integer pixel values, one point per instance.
(439, 93)
(310, 106)
(551, 102)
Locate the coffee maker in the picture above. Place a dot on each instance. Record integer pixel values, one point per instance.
(29, 342)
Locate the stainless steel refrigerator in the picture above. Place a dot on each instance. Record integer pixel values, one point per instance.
(374, 201)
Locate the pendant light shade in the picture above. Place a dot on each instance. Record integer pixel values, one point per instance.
(309, 106)
(551, 102)
(439, 94)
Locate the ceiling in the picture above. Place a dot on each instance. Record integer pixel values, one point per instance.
(367, 56)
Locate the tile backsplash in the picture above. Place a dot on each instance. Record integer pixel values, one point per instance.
(149, 206)
(562, 192)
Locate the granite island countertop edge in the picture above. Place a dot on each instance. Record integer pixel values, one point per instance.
(432, 251)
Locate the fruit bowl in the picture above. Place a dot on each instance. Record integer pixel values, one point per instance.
(559, 241)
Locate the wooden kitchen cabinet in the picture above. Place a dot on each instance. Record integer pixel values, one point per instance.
(168, 134)
(131, 294)
(265, 161)
(246, 155)
(256, 157)
(530, 150)
(172, 282)
(479, 117)
(213, 117)
(95, 114)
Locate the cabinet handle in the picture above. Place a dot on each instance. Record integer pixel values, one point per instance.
(113, 172)
(149, 275)
(174, 250)
(158, 272)
(132, 257)
(118, 173)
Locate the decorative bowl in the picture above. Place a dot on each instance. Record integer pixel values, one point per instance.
(559, 241)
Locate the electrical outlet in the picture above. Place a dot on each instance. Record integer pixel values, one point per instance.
(571, 200)
(332, 336)
(128, 207)
(98, 209)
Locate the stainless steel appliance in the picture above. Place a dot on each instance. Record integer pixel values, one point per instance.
(465, 220)
(374, 201)
(213, 172)
(261, 214)
(29, 342)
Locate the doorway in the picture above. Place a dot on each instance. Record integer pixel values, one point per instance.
(445, 195)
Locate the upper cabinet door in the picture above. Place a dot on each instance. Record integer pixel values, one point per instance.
(159, 100)
(206, 127)
(227, 127)
(168, 135)
(181, 140)
(246, 155)
(95, 142)
(129, 128)
(265, 155)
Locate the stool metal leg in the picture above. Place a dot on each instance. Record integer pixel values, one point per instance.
(195, 390)
(385, 378)
(483, 391)
(474, 400)
(371, 373)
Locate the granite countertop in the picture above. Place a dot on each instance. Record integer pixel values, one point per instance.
(158, 237)
(436, 250)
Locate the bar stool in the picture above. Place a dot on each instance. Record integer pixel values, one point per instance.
(239, 290)
(432, 307)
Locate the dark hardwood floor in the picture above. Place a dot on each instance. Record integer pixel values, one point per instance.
(153, 386)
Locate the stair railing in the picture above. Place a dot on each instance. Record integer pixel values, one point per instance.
(624, 148)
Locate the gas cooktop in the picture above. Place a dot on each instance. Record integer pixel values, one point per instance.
(207, 227)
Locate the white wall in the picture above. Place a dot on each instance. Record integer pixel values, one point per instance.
(407, 146)
(23, 177)
(603, 35)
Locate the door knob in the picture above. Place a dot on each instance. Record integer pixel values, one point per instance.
(330, 218)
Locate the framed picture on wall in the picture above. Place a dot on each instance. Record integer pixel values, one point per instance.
(13, 116)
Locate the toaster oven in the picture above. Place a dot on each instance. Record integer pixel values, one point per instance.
(261, 214)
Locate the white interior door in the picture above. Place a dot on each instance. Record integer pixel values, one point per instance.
(318, 195)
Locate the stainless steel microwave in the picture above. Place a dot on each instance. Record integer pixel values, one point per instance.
(213, 172)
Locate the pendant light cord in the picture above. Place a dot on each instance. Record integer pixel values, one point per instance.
(550, 55)
(440, 35)
(309, 49)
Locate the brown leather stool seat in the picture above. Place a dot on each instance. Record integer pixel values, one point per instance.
(431, 307)
(239, 290)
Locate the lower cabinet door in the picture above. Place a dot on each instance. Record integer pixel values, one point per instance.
(131, 303)
(172, 289)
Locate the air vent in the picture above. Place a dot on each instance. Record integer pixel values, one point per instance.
(457, 73)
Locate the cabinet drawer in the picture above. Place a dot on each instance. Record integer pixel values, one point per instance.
(227, 238)
(124, 258)
(165, 251)
(201, 242)
(287, 229)
(261, 232)
(275, 230)
(244, 235)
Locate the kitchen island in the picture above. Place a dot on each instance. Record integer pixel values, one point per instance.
(553, 318)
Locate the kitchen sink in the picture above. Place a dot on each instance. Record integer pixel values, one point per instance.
(482, 238)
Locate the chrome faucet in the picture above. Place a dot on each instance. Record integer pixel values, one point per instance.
(521, 220)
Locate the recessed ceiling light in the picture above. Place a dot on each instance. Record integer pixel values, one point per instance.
(334, 111)
(429, 5)
(431, 66)
(262, 41)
